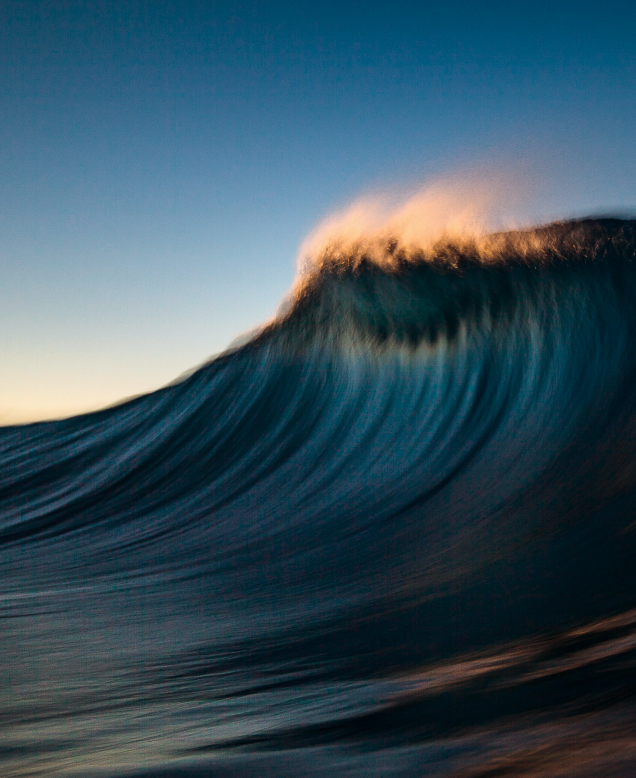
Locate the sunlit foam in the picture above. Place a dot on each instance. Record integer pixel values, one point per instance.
(380, 227)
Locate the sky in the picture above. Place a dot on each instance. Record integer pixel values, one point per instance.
(162, 162)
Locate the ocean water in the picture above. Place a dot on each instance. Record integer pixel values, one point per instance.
(393, 534)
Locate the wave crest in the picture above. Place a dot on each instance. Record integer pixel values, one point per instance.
(385, 282)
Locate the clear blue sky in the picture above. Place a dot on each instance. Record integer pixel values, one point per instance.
(161, 161)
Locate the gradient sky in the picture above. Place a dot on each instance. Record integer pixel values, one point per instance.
(161, 162)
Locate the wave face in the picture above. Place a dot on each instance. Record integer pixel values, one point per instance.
(392, 534)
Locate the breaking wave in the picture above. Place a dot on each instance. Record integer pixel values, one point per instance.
(391, 534)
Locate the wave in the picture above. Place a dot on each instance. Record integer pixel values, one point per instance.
(392, 533)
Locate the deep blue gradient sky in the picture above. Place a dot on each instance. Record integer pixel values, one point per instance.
(161, 162)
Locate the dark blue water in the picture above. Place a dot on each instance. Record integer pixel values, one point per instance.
(393, 534)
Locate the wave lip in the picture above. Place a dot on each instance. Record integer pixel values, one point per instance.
(379, 287)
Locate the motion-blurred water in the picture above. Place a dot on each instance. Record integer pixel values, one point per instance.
(393, 534)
